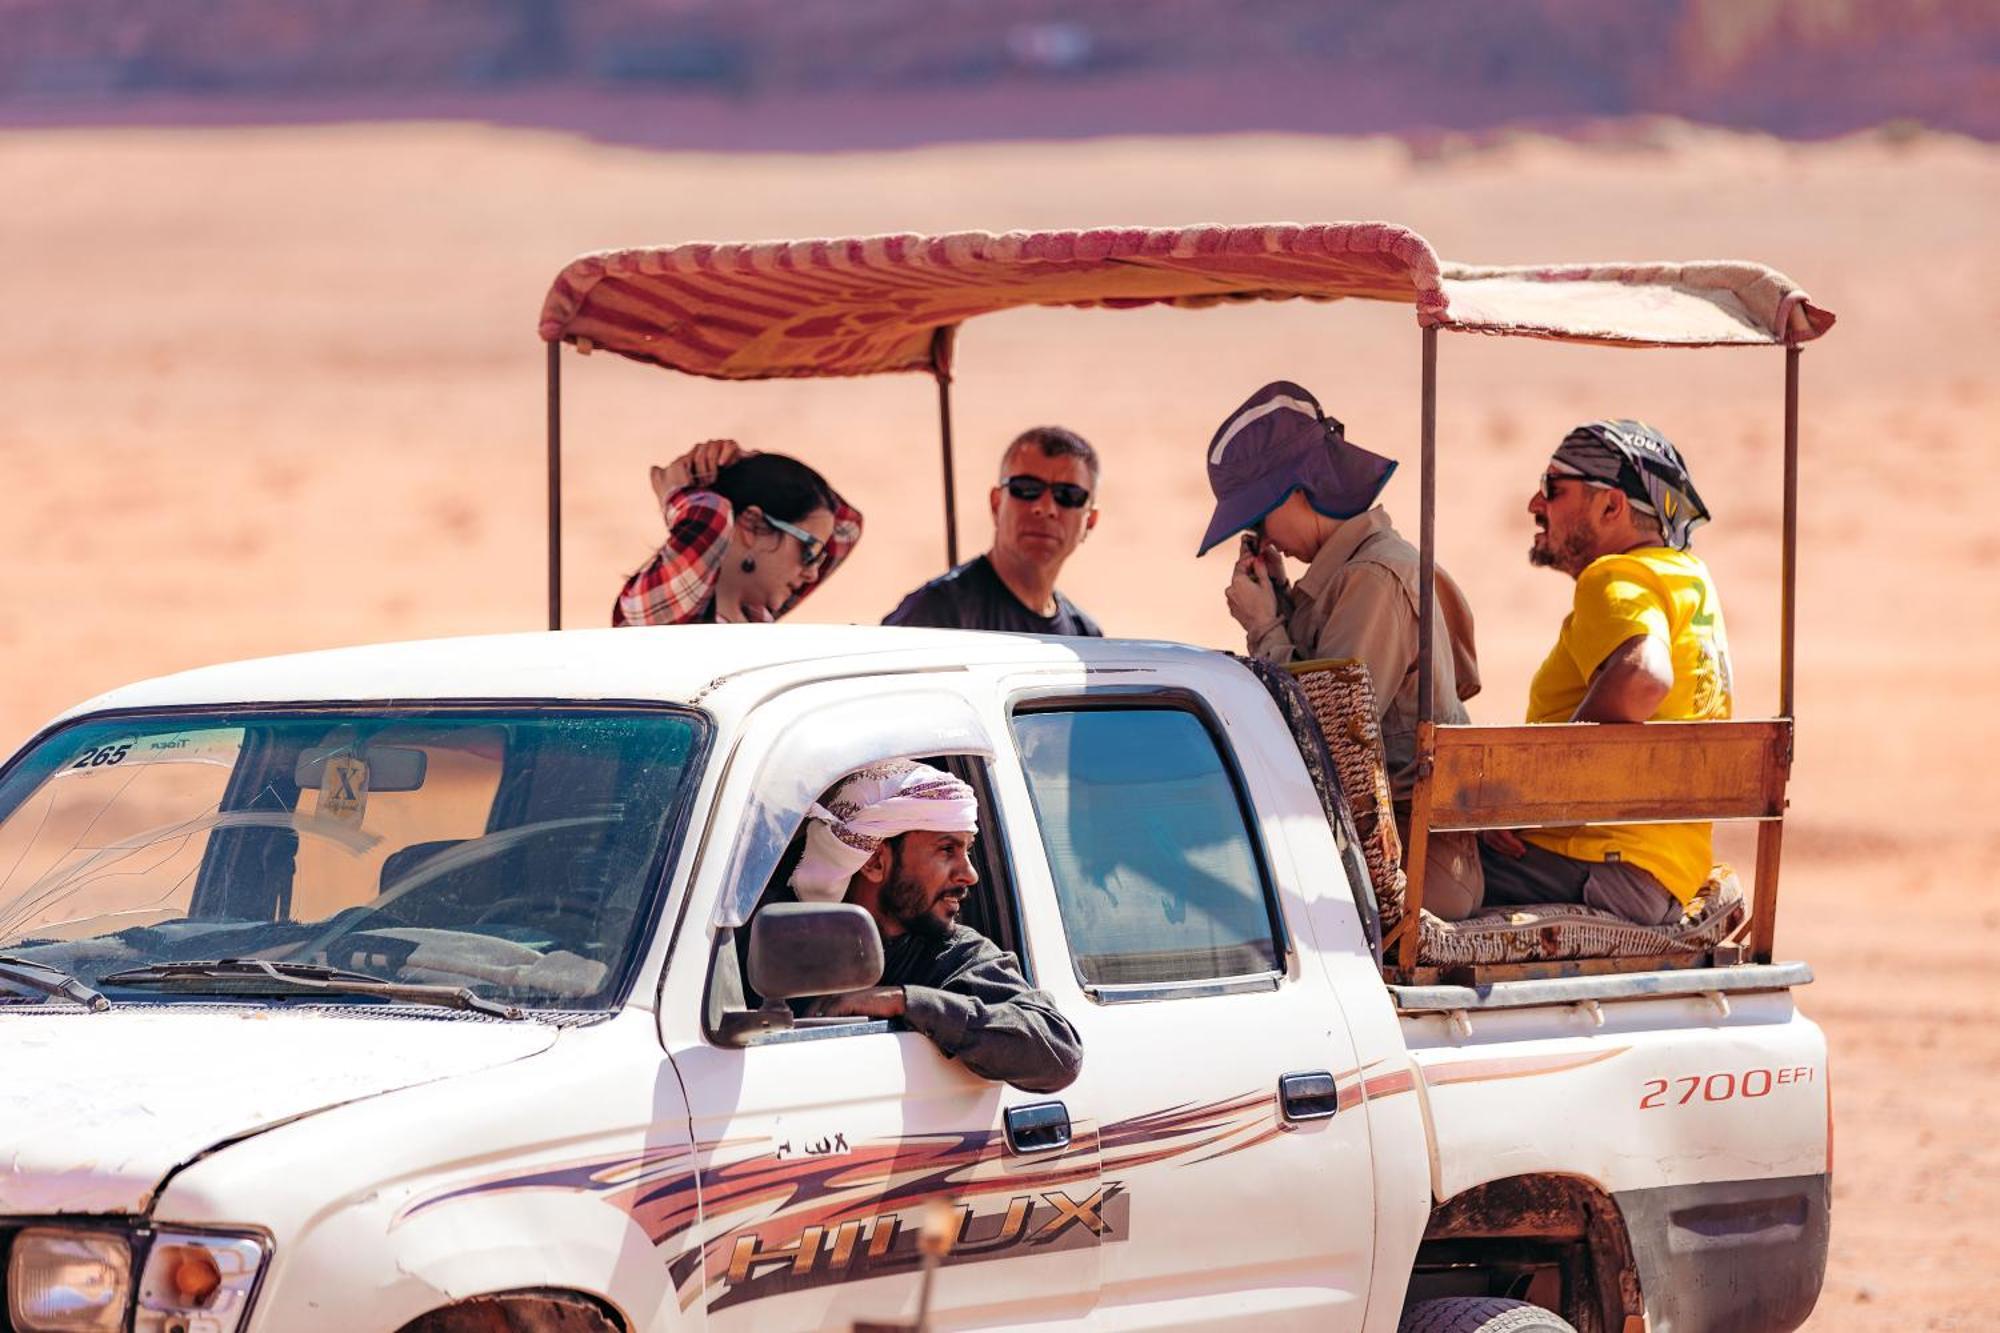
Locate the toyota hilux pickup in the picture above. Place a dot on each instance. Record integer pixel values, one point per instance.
(439, 987)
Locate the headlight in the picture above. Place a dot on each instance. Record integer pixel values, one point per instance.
(198, 1282)
(61, 1281)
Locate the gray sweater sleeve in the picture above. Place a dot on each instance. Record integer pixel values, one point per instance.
(979, 1008)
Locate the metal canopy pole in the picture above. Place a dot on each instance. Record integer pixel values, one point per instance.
(1789, 569)
(555, 484)
(1401, 948)
(1427, 528)
(1763, 925)
(941, 348)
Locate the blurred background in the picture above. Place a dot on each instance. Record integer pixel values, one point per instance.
(272, 382)
(1795, 67)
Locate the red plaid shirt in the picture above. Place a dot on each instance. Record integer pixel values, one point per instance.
(677, 586)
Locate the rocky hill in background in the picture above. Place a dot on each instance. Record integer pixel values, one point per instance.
(1796, 67)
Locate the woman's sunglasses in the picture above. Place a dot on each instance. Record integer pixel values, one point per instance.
(811, 549)
(1028, 489)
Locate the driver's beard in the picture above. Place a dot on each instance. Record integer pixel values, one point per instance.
(908, 905)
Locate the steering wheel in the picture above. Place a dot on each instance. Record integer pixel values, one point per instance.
(482, 848)
(538, 908)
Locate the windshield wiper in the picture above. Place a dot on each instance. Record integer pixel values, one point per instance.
(289, 977)
(50, 981)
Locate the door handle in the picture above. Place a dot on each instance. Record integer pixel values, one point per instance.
(1037, 1127)
(1308, 1096)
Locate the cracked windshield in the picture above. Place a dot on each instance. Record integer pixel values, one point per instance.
(501, 860)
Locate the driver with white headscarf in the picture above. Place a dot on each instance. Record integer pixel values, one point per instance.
(895, 838)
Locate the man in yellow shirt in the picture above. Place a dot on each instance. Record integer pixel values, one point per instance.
(1643, 642)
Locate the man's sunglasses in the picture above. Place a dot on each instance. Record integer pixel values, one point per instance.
(1551, 480)
(1028, 489)
(811, 549)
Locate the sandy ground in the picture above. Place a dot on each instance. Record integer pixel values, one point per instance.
(279, 389)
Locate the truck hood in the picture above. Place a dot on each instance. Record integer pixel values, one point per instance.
(96, 1109)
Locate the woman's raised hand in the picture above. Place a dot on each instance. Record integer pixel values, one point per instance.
(696, 467)
(710, 457)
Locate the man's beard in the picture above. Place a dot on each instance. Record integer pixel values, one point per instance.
(909, 906)
(1572, 555)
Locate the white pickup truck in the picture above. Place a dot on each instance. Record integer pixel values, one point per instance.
(399, 988)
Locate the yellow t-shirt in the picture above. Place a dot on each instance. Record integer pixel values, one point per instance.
(1668, 594)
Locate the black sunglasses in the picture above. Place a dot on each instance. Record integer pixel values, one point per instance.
(1551, 480)
(1029, 489)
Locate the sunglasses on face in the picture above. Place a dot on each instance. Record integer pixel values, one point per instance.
(811, 549)
(1551, 480)
(1029, 489)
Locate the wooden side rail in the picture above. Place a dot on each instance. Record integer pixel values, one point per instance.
(1589, 773)
(1566, 774)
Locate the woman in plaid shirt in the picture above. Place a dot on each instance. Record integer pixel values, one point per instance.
(748, 536)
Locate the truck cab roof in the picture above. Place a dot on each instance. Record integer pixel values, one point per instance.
(676, 664)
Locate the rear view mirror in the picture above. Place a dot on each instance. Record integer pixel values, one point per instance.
(386, 767)
(813, 949)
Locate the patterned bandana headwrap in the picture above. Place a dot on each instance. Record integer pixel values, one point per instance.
(1632, 457)
(869, 807)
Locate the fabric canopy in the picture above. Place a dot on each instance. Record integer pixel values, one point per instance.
(866, 305)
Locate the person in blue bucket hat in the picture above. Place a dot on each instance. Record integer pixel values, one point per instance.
(1285, 473)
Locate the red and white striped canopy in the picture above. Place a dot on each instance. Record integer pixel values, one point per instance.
(866, 305)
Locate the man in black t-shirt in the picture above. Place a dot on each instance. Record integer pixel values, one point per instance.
(1043, 509)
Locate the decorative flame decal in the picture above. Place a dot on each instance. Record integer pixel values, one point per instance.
(740, 1227)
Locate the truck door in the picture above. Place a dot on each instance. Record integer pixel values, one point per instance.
(821, 1150)
(1215, 1053)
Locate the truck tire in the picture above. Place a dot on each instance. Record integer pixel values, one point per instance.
(1481, 1314)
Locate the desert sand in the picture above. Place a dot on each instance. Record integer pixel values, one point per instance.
(278, 389)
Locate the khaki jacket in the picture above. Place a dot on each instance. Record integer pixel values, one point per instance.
(1358, 599)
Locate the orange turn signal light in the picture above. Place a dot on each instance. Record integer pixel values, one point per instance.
(194, 1275)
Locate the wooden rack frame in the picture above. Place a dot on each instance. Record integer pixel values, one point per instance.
(1474, 778)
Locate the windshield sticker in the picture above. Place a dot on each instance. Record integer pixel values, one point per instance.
(343, 789)
(217, 746)
(104, 756)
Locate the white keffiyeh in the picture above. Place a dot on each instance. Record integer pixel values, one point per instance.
(870, 806)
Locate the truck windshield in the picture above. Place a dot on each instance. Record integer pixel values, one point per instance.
(511, 851)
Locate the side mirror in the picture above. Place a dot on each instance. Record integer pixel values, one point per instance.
(813, 949)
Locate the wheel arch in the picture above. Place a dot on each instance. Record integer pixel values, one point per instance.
(526, 1310)
(1567, 1222)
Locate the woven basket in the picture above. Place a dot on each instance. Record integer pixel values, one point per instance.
(1343, 702)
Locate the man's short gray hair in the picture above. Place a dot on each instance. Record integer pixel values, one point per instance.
(1054, 442)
